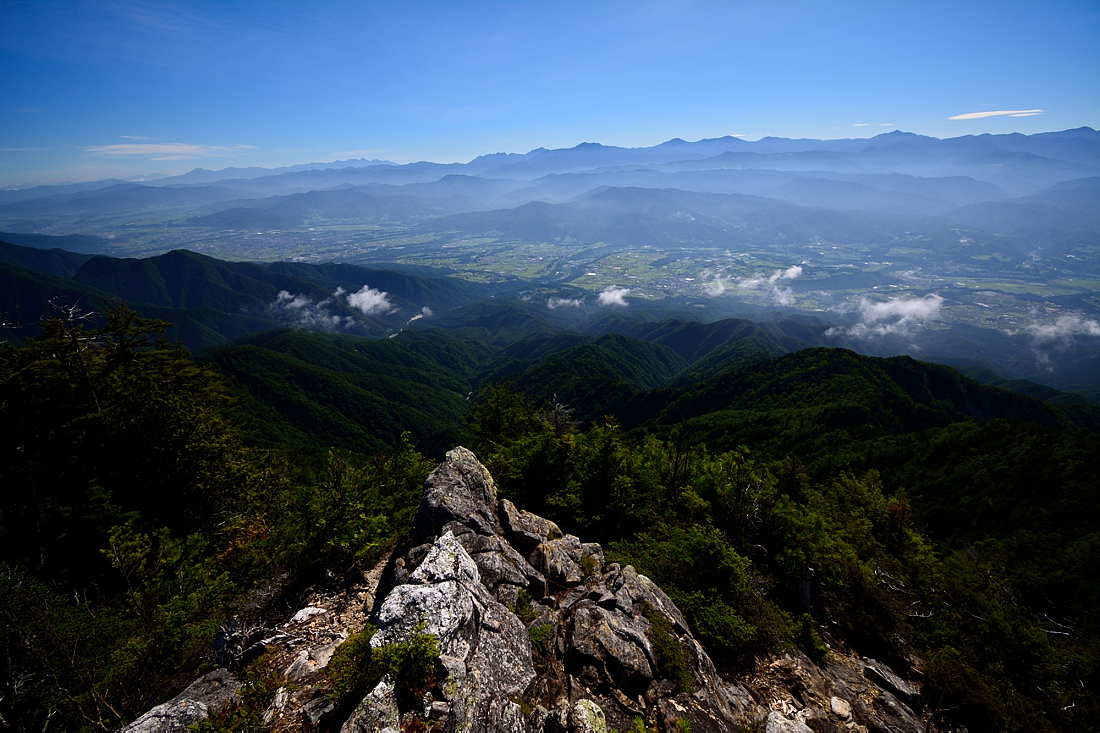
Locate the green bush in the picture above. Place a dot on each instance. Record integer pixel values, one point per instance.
(356, 667)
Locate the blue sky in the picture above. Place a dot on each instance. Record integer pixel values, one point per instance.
(99, 89)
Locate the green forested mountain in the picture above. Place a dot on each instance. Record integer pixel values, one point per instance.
(312, 391)
(211, 302)
(53, 261)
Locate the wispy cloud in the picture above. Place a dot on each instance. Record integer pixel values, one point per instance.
(614, 296)
(771, 285)
(554, 303)
(167, 151)
(897, 316)
(998, 113)
(134, 137)
(1058, 334)
(861, 124)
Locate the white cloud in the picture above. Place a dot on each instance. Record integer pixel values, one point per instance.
(861, 124)
(771, 285)
(426, 311)
(900, 316)
(614, 296)
(553, 303)
(301, 310)
(168, 151)
(998, 113)
(370, 301)
(716, 287)
(1063, 329)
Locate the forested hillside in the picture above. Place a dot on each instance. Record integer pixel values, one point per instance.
(941, 524)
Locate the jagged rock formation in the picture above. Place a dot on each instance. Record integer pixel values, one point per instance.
(466, 570)
(536, 632)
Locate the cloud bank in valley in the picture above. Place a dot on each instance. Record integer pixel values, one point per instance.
(555, 303)
(614, 296)
(900, 316)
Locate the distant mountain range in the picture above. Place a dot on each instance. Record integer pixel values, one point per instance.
(895, 173)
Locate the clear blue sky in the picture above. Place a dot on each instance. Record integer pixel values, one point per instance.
(96, 89)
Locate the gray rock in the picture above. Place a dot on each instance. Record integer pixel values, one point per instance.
(502, 663)
(885, 678)
(776, 723)
(615, 644)
(460, 490)
(559, 560)
(446, 560)
(171, 716)
(584, 716)
(526, 530)
(376, 712)
(208, 694)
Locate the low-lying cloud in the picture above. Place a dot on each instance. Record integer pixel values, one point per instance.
(370, 302)
(1058, 334)
(1063, 329)
(554, 303)
(301, 310)
(614, 296)
(772, 285)
(898, 316)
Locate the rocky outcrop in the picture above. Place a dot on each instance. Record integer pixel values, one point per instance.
(537, 632)
(583, 657)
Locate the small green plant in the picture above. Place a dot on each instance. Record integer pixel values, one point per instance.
(540, 637)
(683, 725)
(671, 663)
(811, 643)
(589, 565)
(523, 609)
(349, 670)
(524, 707)
(638, 726)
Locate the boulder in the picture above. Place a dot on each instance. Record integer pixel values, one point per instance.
(208, 694)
